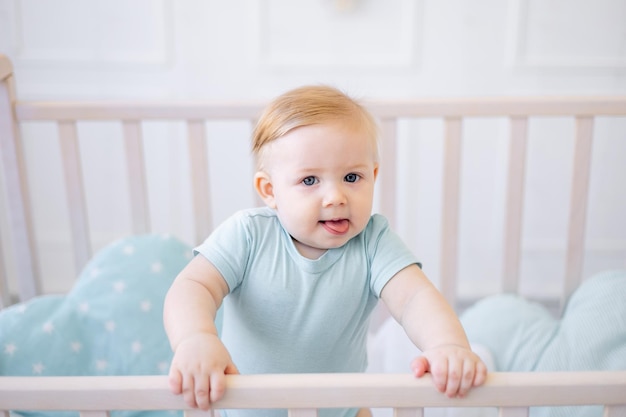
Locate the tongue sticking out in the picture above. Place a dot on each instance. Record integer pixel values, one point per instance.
(337, 226)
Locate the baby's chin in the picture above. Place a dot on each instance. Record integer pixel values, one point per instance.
(339, 241)
(314, 250)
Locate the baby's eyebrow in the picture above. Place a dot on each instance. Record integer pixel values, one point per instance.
(359, 167)
(307, 171)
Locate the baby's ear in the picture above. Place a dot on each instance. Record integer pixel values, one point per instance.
(263, 186)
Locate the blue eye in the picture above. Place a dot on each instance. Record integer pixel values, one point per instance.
(351, 178)
(309, 181)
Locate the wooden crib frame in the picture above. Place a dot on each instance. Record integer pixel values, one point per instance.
(302, 394)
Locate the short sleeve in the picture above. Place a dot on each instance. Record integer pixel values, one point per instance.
(387, 253)
(228, 248)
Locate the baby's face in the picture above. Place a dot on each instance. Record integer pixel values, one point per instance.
(322, 179)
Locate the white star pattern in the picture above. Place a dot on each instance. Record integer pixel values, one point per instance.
(119, 286)
(95, 272)
(48, 327)
(10, 348)
(38, 368)
(163, 366)
(146, 306)
(156, 267)
(101, 365)
(129, 250)
(76, 346)
(110, 326)
(83, 307)
(22, 308)
(136, 347)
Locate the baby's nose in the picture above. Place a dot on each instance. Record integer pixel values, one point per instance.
(334, 196)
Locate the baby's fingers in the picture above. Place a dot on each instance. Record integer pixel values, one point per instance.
(481, 374)
(437, 368)
(218, 386)
(175, 381)
(474, 374)
(189, 393)
(201, 391)
(439, 371)
(467, 377)
(419, 366)
(455, 377)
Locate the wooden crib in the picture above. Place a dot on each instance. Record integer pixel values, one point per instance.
(96, 396)
(303, 395)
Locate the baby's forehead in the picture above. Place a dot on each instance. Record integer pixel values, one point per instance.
(339, 128)
(351, 125)
(313, 135)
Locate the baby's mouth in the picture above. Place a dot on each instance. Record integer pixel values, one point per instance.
(337, 227)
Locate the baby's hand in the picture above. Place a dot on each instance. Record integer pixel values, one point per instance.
(198, 368)
(454, 369)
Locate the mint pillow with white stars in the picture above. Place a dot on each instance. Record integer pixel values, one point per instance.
(110, 323)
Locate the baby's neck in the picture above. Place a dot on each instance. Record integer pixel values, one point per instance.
(308, 252)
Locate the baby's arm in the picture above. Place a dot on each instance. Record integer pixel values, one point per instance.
(432, 325)
(200, 359)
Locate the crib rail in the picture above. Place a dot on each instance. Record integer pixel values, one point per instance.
(513, 393)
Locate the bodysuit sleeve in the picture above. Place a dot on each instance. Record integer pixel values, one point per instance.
(228, 249)
(387, 253)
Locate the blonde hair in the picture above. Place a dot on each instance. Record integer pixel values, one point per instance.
(307, 106)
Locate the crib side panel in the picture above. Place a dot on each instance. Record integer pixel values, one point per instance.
(17, 201)
(195, 117)
(134, 120)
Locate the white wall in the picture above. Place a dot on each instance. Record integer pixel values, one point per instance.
(255, 49)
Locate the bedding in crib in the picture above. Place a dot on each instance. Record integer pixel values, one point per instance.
(590, 335)
(524, 336)
(111, 324)
(512, 334)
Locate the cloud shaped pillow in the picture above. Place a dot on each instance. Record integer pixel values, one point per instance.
(524, 336)
(110, 323)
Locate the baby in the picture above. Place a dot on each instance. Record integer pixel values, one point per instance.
(300, 277)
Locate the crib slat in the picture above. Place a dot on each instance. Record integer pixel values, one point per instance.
(255, 196)
(94, 414)
(614, 411)
(513, 412)
(408, 412)
(578, 206)
(450, 209)
(196, 412)
(15, 185)
(5, 298)
(388, 177)
(302, 412)
(77, 208)
(135, 165)
(514, 203)
(199, 178)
